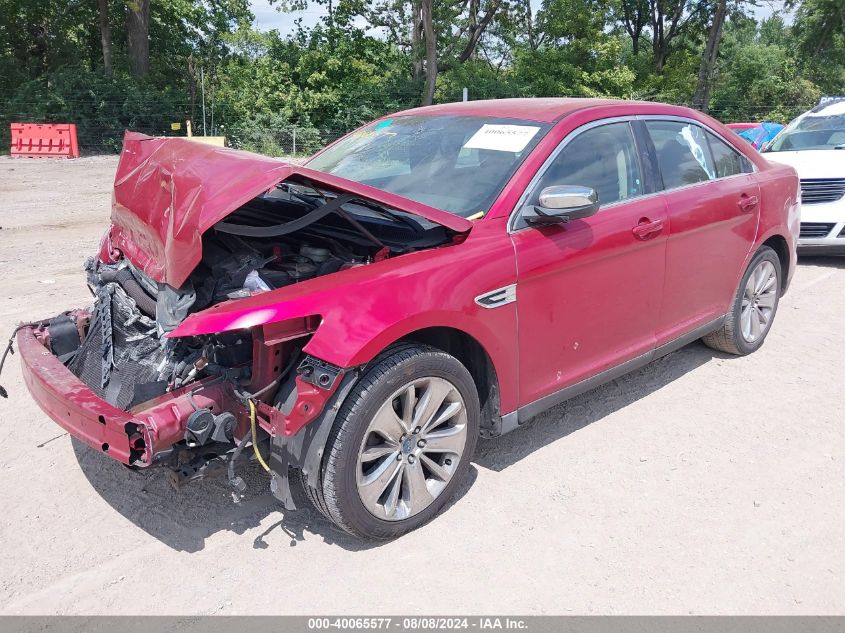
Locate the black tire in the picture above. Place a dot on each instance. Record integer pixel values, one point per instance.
(729, 338)
(337, 496)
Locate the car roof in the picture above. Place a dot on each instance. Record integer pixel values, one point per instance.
(545, 110)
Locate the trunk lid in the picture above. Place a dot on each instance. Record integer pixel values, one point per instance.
(168, 191)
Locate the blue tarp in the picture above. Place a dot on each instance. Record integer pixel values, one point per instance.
(761, 134)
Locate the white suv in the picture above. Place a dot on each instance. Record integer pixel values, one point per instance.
(814, 144)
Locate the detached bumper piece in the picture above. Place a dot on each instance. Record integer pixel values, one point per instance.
(120, 356)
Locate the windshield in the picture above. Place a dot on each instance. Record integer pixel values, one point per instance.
(820, 128)
(457, 164)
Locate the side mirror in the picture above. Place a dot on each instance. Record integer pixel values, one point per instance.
(562, 203)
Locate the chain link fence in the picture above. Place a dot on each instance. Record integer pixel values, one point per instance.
(101, 123)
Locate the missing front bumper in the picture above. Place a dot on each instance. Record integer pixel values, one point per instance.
(138, 437)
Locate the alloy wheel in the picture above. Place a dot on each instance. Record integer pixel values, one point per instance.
(411, 448)
(758, 301)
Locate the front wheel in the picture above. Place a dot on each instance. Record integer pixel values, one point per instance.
(753, 309)
(401, 443)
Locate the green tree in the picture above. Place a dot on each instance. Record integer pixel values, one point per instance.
(820, 33)
(760, 78)
(578, 55)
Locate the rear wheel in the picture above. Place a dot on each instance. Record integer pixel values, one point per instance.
(753, 309)
(401, 443)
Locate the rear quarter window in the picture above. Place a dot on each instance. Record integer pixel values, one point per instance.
(727, 161)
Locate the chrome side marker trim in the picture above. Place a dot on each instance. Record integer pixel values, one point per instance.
(497, 298)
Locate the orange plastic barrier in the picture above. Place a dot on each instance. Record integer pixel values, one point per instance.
(48, 140)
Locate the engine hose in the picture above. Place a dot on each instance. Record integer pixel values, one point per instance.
(124, 277)
(255, 437)
(263, 390)
(249, 399)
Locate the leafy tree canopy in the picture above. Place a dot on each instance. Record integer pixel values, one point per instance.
(108, 65)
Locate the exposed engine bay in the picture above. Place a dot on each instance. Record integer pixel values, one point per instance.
(287, 236)
(119, 347)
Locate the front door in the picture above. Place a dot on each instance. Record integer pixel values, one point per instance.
(588, 292)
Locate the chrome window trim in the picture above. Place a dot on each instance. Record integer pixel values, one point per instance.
(682, 119)
(523, 199)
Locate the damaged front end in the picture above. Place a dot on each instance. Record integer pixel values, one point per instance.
(191, 403)
(116, 377)
(194, 352)
(111, 377)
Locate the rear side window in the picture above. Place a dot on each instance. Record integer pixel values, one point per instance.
(683, 153)
(603, 158)
(727, 160)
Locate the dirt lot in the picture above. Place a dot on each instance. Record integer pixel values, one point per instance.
(700, 484)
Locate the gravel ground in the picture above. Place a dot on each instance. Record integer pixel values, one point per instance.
(699, 484)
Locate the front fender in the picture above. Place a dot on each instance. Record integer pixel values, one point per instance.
(496, 333)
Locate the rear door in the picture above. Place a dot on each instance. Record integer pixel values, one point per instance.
(713, 206)
(588, 292)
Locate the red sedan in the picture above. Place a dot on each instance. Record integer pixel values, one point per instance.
(436, 275)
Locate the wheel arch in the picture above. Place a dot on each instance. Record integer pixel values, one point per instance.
(780, 246)
(306, 450)
(472, 354)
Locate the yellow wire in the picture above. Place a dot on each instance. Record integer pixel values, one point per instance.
(255, 437)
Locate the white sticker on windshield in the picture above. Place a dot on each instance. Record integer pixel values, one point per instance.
(502, 138)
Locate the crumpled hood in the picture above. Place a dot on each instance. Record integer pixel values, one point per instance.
(168, 191)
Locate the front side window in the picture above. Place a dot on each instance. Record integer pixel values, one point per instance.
(683, 154)
(458, 164)
(603, 158)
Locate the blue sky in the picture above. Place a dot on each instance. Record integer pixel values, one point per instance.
(267, 17)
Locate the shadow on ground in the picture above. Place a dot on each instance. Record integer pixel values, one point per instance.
(184, 519)
(581, 411)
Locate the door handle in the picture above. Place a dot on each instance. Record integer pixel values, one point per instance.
(746, 202)
(646, 228)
